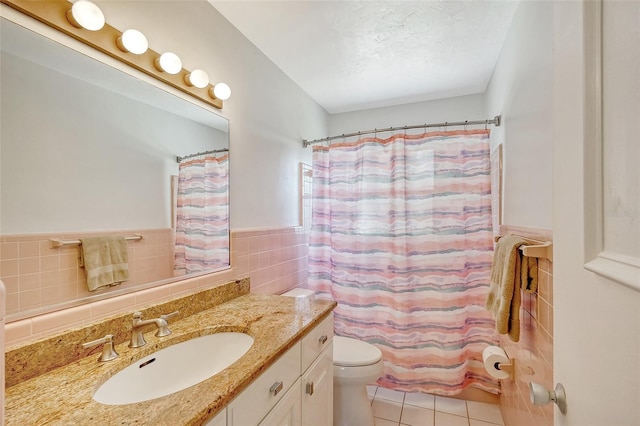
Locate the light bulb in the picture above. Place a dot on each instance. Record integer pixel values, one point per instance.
(133, 41)
(220, 91)
(197, 78)
(169, 62)
(87, 15)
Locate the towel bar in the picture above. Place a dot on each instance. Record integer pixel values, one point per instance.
(537, 249)
(544, 251)
(56, 242)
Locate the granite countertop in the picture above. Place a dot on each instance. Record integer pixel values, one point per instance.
(63, 395)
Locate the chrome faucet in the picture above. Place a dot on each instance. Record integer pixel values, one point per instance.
(137, 338)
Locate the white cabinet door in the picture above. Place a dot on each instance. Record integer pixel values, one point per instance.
(317, 391)
(220, 419)
(287, 410)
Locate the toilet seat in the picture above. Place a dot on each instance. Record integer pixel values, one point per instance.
(348, 352)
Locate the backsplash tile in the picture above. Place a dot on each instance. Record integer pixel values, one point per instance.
(57, 349)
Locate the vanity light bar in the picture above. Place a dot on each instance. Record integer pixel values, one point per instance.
(168, 62)
(197, 78)
(84, 14)
(133, 41)
(54, 14)
(221, 91)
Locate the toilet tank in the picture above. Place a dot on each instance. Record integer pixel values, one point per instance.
(303, 293)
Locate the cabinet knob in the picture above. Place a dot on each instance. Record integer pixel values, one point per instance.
(275, 388)
(323, 339)
(310, 388)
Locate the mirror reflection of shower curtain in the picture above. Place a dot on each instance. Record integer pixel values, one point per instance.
(202, 224)
(401, 238)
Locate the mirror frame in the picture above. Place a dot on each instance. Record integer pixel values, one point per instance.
(54, 14)
(21, 17)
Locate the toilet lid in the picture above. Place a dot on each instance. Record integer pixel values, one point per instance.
(349, 352)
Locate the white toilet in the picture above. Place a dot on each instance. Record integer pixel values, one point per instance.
(355, 365)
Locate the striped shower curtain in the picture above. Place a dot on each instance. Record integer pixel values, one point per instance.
(401, 238)
(202, 225)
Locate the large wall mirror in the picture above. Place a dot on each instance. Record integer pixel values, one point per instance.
(87, 148)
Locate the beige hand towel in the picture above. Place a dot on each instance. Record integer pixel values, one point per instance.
(509, 273)
(105, 260)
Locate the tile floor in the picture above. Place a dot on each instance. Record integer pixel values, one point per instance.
(393, 408)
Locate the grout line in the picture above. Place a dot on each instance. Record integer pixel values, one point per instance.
(404, 395)
(399, 423)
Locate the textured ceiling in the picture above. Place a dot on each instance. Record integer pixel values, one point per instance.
(352, 55)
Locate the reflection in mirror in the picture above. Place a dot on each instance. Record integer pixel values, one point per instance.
(89, 150)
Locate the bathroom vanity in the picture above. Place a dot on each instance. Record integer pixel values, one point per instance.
(296, 389)
(286, 375)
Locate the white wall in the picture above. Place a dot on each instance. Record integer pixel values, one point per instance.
(90, 158)
(451, 109)
(269, 114)
(520, 90)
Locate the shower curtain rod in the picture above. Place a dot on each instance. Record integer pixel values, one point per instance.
(495, 121)
(179, 159)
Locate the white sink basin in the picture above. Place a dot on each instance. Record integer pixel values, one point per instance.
(174, 368)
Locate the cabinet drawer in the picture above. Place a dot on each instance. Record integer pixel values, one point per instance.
(316, 341)
(256, 401)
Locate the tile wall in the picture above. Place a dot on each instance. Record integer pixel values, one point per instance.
(274, 259)
(37, 274)
(534, 352)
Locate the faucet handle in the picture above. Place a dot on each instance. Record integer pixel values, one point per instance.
(163, 329)
(167, 316)
(108, 353)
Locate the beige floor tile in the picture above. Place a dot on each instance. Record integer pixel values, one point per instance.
(454, 406)
(390, 395)
(485, 412)
(417, 399)
(417, 416)
(474, 422)
(371, 391)
(384, 422)
(388, 410)
(446, 419)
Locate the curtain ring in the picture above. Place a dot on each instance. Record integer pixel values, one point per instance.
(486, 122)
(446, 124)
(465, 125)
